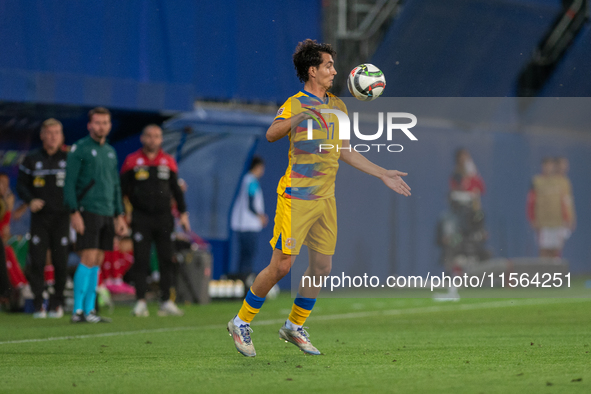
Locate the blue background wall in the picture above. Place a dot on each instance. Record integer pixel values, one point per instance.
(151, 54)
(462, 47)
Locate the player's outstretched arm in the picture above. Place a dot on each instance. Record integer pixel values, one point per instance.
(281, 127)
(391, 178)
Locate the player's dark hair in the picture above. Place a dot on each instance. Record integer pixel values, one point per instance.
(98, 110)
(2, 173)
(308, 54)
(257, 160)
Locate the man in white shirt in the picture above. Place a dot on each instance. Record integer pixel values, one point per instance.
(248, 215)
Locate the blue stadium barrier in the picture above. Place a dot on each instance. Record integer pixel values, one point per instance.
(151, 55)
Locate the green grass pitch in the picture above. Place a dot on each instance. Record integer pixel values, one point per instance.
(369, 345)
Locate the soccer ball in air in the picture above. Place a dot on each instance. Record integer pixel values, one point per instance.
(366, 82)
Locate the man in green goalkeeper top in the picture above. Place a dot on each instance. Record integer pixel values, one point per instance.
(93, 194)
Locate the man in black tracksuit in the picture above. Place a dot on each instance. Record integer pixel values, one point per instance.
(149, 179)
(40, 184)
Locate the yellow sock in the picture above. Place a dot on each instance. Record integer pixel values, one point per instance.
(250, 307)
(300, 310)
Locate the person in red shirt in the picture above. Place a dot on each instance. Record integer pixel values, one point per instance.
(15, 274)
(7, 201)
(6, 205)
(116, 263)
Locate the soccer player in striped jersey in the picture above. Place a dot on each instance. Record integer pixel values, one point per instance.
(306, 207)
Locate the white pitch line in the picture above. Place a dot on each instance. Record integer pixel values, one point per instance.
(105, 334)
(350, 315)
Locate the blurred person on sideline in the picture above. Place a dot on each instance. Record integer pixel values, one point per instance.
(249, 218)
(461, 233)
(92, 193)
(466, 190)
(5, 286)
(550, 209)
(149, 179)
(16, 276)
(40, 185)
(116, 264)
(7, 200)
(11, 275)
(568, 201)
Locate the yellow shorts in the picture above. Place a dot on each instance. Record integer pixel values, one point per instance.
(305, 222)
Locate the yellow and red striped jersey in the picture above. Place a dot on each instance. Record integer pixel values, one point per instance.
(311, 171)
